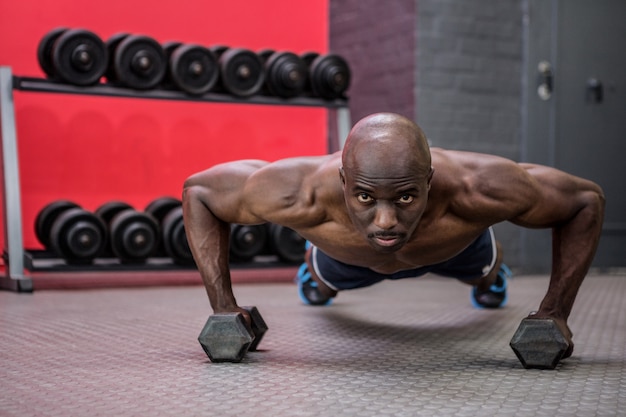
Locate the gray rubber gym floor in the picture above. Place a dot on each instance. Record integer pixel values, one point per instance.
(407, 348)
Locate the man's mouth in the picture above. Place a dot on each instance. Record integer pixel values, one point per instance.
(385, 239)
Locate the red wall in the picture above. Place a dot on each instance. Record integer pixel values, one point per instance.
(93, 149)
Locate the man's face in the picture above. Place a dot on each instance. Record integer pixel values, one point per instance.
(385, 205)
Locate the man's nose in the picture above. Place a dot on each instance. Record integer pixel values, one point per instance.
(386, 218)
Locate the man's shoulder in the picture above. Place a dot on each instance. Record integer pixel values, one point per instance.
(294, 191)
(304, 164)
(460, 157)
(473, 166)
(481, 187)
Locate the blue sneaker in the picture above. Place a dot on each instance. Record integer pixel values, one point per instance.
(496, 296)
(308, 289)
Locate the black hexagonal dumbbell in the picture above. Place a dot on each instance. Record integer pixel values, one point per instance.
(227, 338)
(540, 343)
(133, 235)
(168, 212)
(70, 232)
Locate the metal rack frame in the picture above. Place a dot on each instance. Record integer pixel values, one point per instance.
(15, 278)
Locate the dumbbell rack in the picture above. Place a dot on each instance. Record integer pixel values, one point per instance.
(15, 278)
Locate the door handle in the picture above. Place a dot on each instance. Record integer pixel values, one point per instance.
(544, 89)
(595, 90)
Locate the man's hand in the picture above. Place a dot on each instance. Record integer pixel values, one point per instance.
(563, 328)
(246, 315)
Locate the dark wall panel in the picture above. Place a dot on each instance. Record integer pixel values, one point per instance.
(378, 40)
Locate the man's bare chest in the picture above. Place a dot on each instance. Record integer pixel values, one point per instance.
(428, 246)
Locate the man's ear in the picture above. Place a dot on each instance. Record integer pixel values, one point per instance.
(342, 176)
(430, 176)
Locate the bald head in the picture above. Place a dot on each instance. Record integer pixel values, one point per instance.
(387, 144)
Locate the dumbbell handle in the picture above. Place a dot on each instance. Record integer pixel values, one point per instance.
(257, 324)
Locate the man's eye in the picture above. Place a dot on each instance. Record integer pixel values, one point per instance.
(406, 199)
(363, 198)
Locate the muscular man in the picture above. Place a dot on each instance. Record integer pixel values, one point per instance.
(388, 207)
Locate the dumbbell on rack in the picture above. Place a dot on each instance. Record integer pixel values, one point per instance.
(247, 241)
(286, 243)
(168, 49)
(70, 232)
(192, 68)
(136, 61)
(168, 212)
(74, 56)
(80, 57)
(241, 71)
(133, 236)
(286, 73)
(329, 75)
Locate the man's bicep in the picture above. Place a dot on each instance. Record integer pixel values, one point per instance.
(556, 197)
(221, 190)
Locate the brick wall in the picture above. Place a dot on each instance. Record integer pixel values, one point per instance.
(469, 59)
(468, 89)
(378, 40)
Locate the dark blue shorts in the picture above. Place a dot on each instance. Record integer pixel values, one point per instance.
(476, 261)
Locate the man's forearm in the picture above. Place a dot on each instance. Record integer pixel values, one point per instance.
(574, 245)
(215, 269)
(209, 239)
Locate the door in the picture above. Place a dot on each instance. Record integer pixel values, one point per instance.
(575, 109)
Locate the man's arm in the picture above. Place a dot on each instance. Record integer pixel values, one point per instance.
(574, 208)
(247, 192)
(213, 199)
(536, 196)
